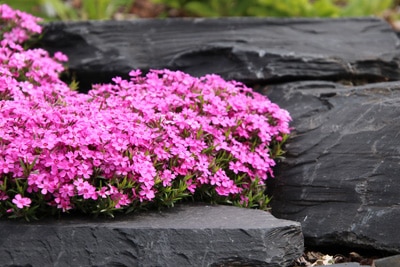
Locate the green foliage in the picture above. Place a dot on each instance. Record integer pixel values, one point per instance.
(102, 9)
(31, 6)
(220, 8)
(62, 10)
(106, 9)
(282, 8)
(362, 7)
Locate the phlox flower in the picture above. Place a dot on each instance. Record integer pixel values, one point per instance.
(146, 193)
(5, 166)
(66, 191)
(214, 180)
(191, 186)
(103, 192)
(222, 191)
(7, 12)
(48, 184)
(85, 170)
(112, 190)
(3, 195)
(35, 178)
(60, 57)
(63, 203)
(48, 142)
(135, 73)
(123, 200)
(85, 189)
(79, 184)
(148, 131)
(203, 179)
(161, 153)
(167, 176)
(21, 202)
(235, 166)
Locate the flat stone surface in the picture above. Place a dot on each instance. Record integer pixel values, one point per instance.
(347, 264)
(187, 235)
(393, 261)
(341, 175)
(254, 50)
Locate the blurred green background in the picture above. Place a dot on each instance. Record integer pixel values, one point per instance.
(128, 9)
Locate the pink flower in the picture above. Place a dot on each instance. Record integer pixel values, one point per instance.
(167, 177)
(3, 196)
(235, 166)
(49, 141)
(79, 184)
(85, 189)
(21, 201)
(222, 191)
(85, 171)
(7, 12)
(127, 140)
(5, 166)
(60, 57)
(63, 203)
(135, 73)
(66, 190)
(202, 179)
(103, 192)
(214, 180)
(146, 193)
(191, 186)
(123, 201)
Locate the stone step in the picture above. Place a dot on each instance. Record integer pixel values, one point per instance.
(187, 235)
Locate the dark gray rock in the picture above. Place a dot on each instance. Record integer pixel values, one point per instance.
(188, 235)
(253, 50)
(393, 261)
(347, 264)
(341, 175)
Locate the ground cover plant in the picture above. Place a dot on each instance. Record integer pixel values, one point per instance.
(149, 141)
(116, 9)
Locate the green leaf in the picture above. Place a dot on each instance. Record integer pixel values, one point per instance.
(201, 9)
(62, 10)
(358, 8)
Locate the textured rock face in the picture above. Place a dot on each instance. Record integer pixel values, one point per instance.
(184, 236)
(246, 49)
(341, 176)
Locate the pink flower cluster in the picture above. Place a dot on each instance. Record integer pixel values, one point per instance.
(126, 143)
(17, 26)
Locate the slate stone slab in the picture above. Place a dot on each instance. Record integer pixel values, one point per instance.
(187, 235)
(393, 261)
(347, 264)
(341, 175)
(254, 50)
